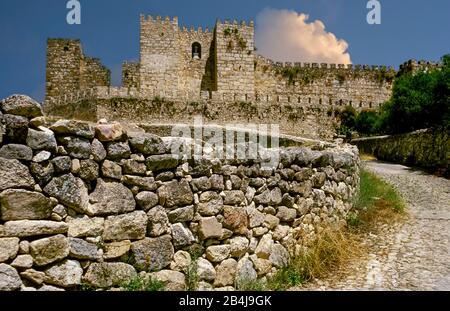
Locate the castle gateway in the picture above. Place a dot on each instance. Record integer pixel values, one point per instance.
(217, 73)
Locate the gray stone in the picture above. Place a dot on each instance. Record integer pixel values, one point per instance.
(234, 197)
(256, 218)
(146, 200)
(238, 246)
(279, 256)
(88, 170)
(303, 174)
(144, 183)
(288, 201)
(175, 193)
(165, 176)
(110, 198)
(218, 253)
(182, 214)
(98, 151)
(116, 250)
(133, 167)
(78, 148)
(181, 236)
(286, 214)
(245, 273)
(262, 266)
(14, 175)
(42, 156)
(70, 191)
(19, 204)
(147, 144)
(27, 228)
(80, 249)
(73, 127)
(42, 172)
(181, 262)
(161, 162)
(132, 226)
(201, 184)
(264, 248)
(271, 221)
(280, 232)
(9, 247)
(205, 270)
(23, 262)
(109, 274)
(217, 182)
(48, 250)
(117, 151)
(225, 273)
(173, 280)
(211, 203)
(112, 170)
(21, 105)
(65, 274)
(16, 128)
(37, 277)
(158, 222)
(210, 228)
(16, 151)
(83, 226)
(152, 254)
(9, 278)
(41, 140)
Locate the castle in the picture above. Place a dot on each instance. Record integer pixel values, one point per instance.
(216, 73)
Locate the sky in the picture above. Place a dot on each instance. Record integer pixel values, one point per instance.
(286, 30)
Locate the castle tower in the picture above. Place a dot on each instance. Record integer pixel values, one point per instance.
(64, 57)
(235, 59)
(160, 59)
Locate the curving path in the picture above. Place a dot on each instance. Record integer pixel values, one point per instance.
(411, 255)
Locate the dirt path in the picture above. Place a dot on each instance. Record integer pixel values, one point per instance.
(411, 255)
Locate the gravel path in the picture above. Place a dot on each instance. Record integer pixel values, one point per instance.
(411, 255)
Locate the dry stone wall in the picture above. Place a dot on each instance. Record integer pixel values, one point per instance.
(86, 204)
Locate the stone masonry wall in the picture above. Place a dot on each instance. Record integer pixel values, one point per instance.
(90, 205)
(429, 149)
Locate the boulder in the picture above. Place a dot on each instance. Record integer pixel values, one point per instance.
(262, 266)
(118, 150)
(116, 250)
(64, 274)
(146, 200)
(182, 262)
(109, 274)
(9, 278)
(217, 182)
(182, 214)
(83, 226)
(152, 254)
(88, 170)
(78, 148)
(175, 193)
(239, 246)
(181, 236)
(271, 222)
(70, 191)
(133, 167)
(62, 164)
(48, 250)
(256, 218)
(110, 198)
(73, 127)
(162, 162)
(236, 219)
(147, 144)
(16, 151)
(23, 262)
(112, 170)
(264, 248)
(211, 203)
(9, 247)
(42, 172)
(205, 270)
(234, 197)
(42, 157)
(225, 273)
(218, 253)
(158, 222)
(21, 105)
(17, 204)
(14, 175)
(143, 183)
(209, 228)
(201, 184)
(132, 226)
(98, 151)
(37, 277)
(279, 256)
(109, 132)
(15, 129)
(83, 250)
(41, 140)
(173, 280)
(245, 272)
(286, 214)
(27, 228)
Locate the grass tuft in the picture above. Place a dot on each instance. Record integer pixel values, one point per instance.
(140, 284)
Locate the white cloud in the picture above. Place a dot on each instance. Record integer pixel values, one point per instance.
(283, 35)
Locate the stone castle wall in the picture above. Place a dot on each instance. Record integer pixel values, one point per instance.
(429, 149)
(92, 205)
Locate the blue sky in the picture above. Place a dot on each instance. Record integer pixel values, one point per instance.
(110, 30)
